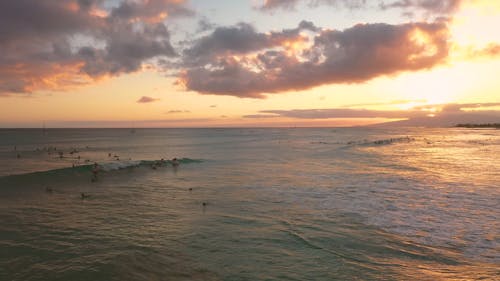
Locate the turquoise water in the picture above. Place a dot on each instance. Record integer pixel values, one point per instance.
(250, 204)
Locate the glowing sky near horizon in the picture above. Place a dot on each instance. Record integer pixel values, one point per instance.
(174, 63)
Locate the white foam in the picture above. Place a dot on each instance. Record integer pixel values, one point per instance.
(118, 165)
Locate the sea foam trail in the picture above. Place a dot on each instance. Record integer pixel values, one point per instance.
(104, 167)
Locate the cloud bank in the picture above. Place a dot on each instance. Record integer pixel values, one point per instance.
(440, 114)
(56, 44)
(241, 62)
(438, 7)
(69, 43)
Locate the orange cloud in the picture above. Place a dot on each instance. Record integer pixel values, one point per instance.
(27, 78)
(46, 52)
(354, 55)
(491, 50)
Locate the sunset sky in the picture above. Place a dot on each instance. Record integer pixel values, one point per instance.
(206, 63)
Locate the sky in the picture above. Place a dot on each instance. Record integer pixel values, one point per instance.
(248, 63)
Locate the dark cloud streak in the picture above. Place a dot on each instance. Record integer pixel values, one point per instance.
(437, 7)
(146, 99)
(448, 115)
(270, 5)
(430, 6)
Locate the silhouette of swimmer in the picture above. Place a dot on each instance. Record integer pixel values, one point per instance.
(175, 162)
(95, 171)
(84, 196)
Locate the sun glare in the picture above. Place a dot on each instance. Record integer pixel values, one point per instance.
(473, 24)
(423, 41)
(410, 105)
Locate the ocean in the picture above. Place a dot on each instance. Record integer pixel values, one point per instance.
(362, 203)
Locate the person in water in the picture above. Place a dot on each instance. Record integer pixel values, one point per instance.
(95, 171)
(175, 162)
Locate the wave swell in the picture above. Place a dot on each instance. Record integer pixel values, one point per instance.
(87, 169)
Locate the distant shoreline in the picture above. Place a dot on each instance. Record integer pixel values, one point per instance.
(488, 125)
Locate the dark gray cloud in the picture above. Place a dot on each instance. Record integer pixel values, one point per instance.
(241, 38)
(235, 40)
(275, 4)
(204, 24)
(431, 6)
(354, 55)
(438, 7)
(35, 20)
(56, 44)
(146, 99)
(270, 5)
(126, 49)
(151, 10)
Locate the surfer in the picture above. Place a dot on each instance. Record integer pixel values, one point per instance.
(95, 171)
(175, 163)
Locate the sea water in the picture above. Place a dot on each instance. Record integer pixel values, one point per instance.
(250, 204)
